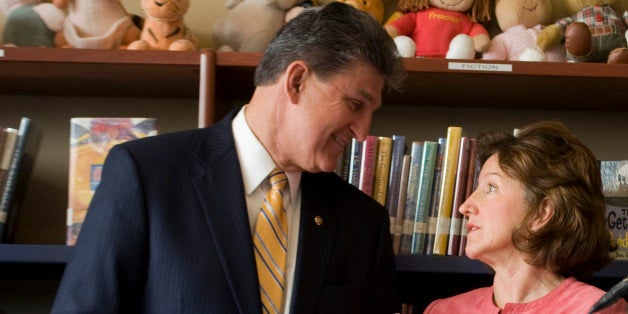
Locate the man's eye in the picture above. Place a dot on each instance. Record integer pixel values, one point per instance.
(355, 105)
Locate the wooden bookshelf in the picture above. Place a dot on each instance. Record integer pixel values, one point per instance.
(219, 81)
(98, 72)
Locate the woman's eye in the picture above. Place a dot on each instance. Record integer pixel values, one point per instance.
(490, 188)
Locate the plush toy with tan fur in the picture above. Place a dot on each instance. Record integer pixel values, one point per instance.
(443, 28)
(374, 7)
(250, 24)
(595, 32)
(31, 23)
(96, 24)
(521, 21)
(164, 28)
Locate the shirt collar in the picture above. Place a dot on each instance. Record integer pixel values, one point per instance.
(255, 162)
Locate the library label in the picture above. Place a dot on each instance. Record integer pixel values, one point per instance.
(480, 67)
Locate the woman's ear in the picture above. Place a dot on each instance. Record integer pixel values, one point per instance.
(296, 73)
(546, 212)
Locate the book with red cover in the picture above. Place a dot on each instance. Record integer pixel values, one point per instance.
(460, 192)
(472, 175)
(367, 164)
(91, 138)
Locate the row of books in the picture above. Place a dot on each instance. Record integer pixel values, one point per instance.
(421, 183)
(18, 150)
(91, 139)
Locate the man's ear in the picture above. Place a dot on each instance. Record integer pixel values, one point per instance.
(296, 73)
(546, 212)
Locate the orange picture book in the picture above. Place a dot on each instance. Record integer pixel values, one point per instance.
(90, 142)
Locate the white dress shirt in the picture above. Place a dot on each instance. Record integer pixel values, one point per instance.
(256, 164)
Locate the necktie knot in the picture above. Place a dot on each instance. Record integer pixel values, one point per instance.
(278, 179)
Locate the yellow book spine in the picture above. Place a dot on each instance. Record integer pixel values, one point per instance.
(382, 169)
(445, 203)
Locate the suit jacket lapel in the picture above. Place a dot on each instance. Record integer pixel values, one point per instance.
(221, 194)
(315, 242)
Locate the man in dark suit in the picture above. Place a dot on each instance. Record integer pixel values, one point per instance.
(170, 228)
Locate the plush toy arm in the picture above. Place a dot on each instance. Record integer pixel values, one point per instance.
(51, 15)
(391, 31)
(481, 42)
(549, 37)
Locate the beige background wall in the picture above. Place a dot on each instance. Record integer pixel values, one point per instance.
(203, 13)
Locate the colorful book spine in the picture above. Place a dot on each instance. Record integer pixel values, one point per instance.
(424, 194)
(7, 153)
(394, 179)
(401, 203)
(355, 163)
(460, 190)
(91, 139)
(445, 203)
(367, 164)
(382, 169)
(432, 217)
(472, 175)
(22, 161)
(411, 198)
(342, 168)
(615, 187)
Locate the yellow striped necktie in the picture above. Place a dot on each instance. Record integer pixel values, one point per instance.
(271, 241)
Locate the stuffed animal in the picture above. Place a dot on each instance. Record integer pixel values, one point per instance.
(31, 23)
(96, 24)
(443, 28)
(250, 24)
(594, 32)
(521, 21)
(374, 7)
(164, 28)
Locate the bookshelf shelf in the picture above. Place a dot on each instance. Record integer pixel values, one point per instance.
(214, 82)
(97, 72)
(547, 85)
(34, 256)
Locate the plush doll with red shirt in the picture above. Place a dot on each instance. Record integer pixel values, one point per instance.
(443, 28)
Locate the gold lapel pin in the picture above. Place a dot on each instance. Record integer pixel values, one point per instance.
(318, 220)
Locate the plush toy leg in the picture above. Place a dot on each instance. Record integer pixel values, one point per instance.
(618, 55)
(461, 47)
(182, 45)
(532, 55)
(578, 39)
(405, 46)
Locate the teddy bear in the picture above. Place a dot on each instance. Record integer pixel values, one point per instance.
(164, 28)
(96, 24)
(594, 32)
(521, 21)
(31, 23)
(374, 7)
(250, 24)
(442, 28)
